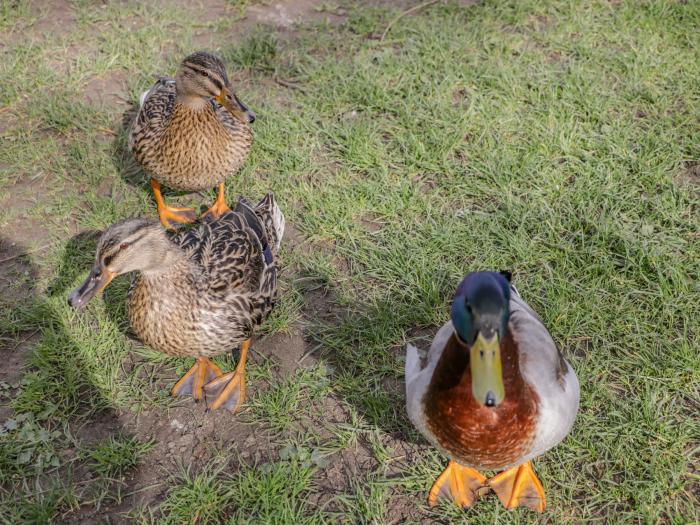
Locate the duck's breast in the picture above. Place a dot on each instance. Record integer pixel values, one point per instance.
(163, 315)
(470, 433)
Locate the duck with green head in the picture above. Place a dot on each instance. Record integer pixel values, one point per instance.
(493, 394)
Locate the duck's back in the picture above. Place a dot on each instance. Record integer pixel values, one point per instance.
(229, 250)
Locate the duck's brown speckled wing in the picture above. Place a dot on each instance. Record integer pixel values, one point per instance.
(155, 108)
(229, 252)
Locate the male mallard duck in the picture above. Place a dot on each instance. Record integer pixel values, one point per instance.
(494, 393)
(198, 293)
(191, 132)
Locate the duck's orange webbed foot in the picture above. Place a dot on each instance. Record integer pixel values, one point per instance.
(192, 383)
(219, 207)
(169, 216)
(228, 391)
(461, 484)
(519, 486)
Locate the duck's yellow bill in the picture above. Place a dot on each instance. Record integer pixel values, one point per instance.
(487, 372)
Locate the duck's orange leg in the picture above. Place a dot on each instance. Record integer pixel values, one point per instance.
(219, 207)
(168, 215)
(519, 486)
(229, 389)
(192, 383)
(461, 484)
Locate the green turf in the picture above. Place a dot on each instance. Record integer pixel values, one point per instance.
(552, 138)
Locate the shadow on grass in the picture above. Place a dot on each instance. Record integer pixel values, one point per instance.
(60, 418)
(364, 343)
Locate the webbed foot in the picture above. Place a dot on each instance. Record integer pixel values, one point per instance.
(228, 390)
(458, 483)
(519, 486)
(192, 383)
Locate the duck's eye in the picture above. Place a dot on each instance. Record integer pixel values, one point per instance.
(123, 245)
(205, 74)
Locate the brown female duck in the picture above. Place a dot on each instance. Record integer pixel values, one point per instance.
(198, 293)
(191, 133)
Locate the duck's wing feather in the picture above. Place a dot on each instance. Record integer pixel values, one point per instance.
(419, 372)
(544, 368)
(155, 108)
(272, 219)
(413, 366)
(229, 252)
(538, 350)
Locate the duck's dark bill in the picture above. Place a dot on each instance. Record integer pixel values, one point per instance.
(487, 372)
(238, 109)
(95, 282)
(244, 108)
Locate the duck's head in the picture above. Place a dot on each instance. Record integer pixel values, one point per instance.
(131, 245)
(203, 75)
(480, 317)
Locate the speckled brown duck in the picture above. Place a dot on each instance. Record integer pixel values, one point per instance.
(493, 394)
(198, 293)
(191, 133)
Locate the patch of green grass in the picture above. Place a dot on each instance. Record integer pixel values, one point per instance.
(200, 498)
(283, 405)
(275, 493)
(541, 137)
(36, 504)
(287, 311)
(117, 455)
(12, 12)
(270, 493)
(366, 502)
(257, 52)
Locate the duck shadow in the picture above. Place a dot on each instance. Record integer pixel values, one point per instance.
(53, 387)
(129, 170)
(77, 259)
(368, 371)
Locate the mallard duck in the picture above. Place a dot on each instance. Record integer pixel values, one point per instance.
(493, 394)
(190, 133)
(198, 293)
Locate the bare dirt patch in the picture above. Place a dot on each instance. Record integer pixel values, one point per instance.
(288, 13)
(108, 90)
(690, 176)
(17, 288)
(58, 15)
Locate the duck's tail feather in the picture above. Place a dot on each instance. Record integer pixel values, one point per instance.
(412, 363)
(272, 217)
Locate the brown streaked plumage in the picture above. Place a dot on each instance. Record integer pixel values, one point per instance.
(198, 293)
(191, 132)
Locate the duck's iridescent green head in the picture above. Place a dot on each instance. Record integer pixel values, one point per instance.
(480, 316)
